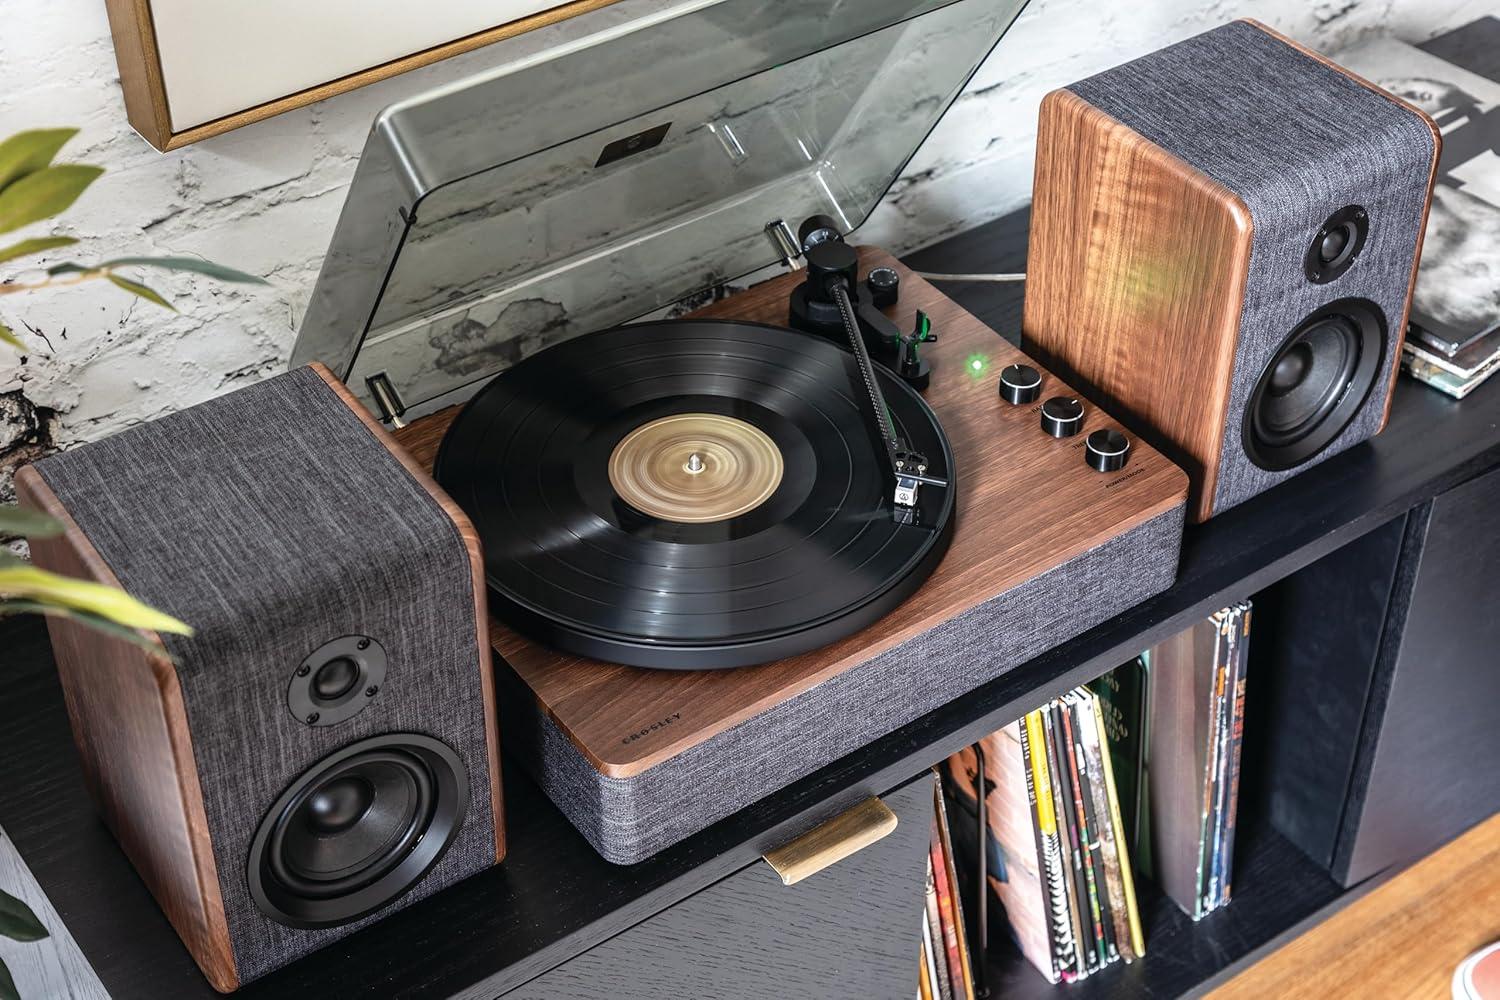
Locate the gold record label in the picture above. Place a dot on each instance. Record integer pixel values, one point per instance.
(695, 468)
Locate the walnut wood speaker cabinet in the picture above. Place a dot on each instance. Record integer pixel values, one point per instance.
(1224, 237)
(324, 748)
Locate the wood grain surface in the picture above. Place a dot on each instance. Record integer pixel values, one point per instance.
(53, 967)
(129, 721)
(146, 95)
(130, 725)
(1112, 299)
(140, 70)
(1403, 939)
(848, 931)
(1026, 503)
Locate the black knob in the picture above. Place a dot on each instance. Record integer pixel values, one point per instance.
(1106, 450)
(885, 286)
(827, 264)
(1062, 416)
(817, 229)
(1020, 384)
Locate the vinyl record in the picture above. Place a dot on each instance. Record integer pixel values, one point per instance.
(692, 494)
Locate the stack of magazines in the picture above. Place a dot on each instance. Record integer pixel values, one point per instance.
(1453, 341)
(1057, 857)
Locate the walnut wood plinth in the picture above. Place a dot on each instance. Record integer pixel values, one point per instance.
(1026, 503)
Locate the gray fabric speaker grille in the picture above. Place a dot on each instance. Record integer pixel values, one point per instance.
(630, 819)
(272, 520)
(1296, 140)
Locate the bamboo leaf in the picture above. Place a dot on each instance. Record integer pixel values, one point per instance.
(98, 624)
(136, 288)
(8, 989)
(27, 523)
(17, 922)
(194, 264)
(26, 248)
(27, 152)
(43, 194)
(9, 337)
(29, 583)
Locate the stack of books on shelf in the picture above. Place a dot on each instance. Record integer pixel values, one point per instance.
(1057, 857)
(1195, 703)
(946, 971)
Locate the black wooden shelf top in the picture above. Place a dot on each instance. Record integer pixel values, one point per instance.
(554, 898)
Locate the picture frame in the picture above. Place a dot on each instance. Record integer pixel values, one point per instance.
(191, 69)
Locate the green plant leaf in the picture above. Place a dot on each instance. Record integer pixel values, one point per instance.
(67, 268)
(136, 288)
(27, 523)
(44, 194)
(8, 989)
(8, 337)
(194, 264)
(27, 152)
(17, 922)
(28, 583)
(26, 248)
(133, 636)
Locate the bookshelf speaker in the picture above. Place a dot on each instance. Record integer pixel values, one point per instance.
(323, 749)
(1224, 237)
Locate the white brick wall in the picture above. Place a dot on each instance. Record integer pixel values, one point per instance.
(265, 198)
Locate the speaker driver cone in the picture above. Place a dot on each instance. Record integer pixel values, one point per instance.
(358, 829)
(1314, 384)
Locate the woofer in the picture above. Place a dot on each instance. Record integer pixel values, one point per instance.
(357, 830)
(1314, 384)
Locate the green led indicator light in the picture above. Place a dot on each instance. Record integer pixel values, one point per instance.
(977, 365)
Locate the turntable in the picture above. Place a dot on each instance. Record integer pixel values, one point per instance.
(724, 549)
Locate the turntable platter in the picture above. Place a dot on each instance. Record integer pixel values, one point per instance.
(692, 494)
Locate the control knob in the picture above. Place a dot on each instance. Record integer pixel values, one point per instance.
(1062, 416)
(1020, 384)
(1106, 450)
(884, 285)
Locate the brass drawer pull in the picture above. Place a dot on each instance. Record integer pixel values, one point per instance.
(832, 841)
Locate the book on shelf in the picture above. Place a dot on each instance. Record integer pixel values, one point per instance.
(1453, 340)
(1196, 704)
(1057, 861)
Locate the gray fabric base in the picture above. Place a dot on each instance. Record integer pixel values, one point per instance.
(1296, 141)
(630, 819)
(272, 520)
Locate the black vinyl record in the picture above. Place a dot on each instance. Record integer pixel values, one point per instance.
(571, 563)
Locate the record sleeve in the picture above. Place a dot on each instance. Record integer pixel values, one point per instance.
(1457, 298)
